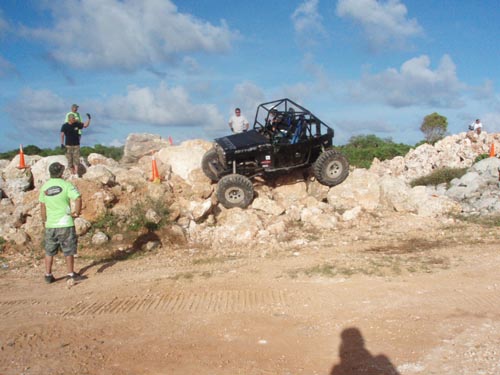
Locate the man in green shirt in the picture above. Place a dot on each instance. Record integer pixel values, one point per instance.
(55, 205)
(74, 112)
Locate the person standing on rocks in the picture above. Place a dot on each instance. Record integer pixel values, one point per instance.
(70, 139)
(238, 123)
(476, 126)
(78, 118)
(55, 206)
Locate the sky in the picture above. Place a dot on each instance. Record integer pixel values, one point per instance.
(179, 68)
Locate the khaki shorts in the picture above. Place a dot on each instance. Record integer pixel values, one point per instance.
(73, 156)
(64, 238)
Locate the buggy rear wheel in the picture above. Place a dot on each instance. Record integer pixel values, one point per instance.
(235, 190)
(331, 168)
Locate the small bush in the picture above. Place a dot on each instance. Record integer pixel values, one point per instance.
(106, 223)
(481, 157)
(3, 241)
(138, 219)
(439, 176)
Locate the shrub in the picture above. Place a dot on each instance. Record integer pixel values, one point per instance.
(439, 176)
(361, 150)
(138, 219)
(106, 223)
(481, 157)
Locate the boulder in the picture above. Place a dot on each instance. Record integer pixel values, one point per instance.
(394, 193)
(268, 206)
(236, 226)
(101, 174)
(82, 226)
(99, 238)
(290, 192)
(139, 145)
(40, 169)
(98, 159)
(361, 188)
(184, 158)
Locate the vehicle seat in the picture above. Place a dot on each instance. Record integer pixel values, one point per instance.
(298, 133)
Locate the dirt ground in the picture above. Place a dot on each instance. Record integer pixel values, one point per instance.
(396, 295)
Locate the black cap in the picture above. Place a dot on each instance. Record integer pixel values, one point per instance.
(56, 169)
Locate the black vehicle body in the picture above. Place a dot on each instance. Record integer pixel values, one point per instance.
(285, 136)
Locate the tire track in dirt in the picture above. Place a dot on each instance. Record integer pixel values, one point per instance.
(8, 308)
(220, 301)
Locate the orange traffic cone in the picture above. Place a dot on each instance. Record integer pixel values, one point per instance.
(22, 164)
(492, 150)
(170, 141)
(156, 175)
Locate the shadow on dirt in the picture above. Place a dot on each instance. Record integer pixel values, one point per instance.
(120, 255)
(355, 359)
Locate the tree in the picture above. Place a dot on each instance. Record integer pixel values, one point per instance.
(434, 127)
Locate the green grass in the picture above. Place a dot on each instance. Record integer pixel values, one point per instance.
(3, 241)
(439, 176)
(490, 221)
(213, 260)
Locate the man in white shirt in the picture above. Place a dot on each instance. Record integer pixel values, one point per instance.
(238, 123)
(477, 126)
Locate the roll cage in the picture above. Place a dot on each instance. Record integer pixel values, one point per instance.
(295, 123)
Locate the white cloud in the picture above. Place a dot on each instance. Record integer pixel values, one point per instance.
(385, 23)
(307, 22)
(38, 110)
(38, 115)
(414, 84)
(94, 34)
(247, 96)
(162, 106)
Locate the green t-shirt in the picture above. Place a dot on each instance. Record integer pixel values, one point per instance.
(76, 114)
(56, 194)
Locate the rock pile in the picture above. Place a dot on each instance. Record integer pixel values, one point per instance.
(115, 191)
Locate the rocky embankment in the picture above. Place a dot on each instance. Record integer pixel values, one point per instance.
(113, 189)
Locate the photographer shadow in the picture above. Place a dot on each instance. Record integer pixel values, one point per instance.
(121, 255)
(355, 359)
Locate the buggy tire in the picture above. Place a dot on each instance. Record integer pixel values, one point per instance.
(235, 190)
(331, 168)
(209, 157)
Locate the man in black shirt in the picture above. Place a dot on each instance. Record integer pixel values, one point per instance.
(71, 132)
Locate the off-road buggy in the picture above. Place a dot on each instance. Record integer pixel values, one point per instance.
(285, 136)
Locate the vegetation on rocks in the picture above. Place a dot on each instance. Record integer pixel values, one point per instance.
(439, 176)
(361, 149)
(115, 153)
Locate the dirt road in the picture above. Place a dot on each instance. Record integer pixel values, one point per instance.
(395, 295)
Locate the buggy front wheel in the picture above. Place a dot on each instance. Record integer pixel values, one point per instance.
(235, 190)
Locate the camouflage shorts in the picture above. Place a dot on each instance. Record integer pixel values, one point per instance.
(64, 238)
(73, 155)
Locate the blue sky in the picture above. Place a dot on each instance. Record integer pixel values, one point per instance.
(178, 68)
